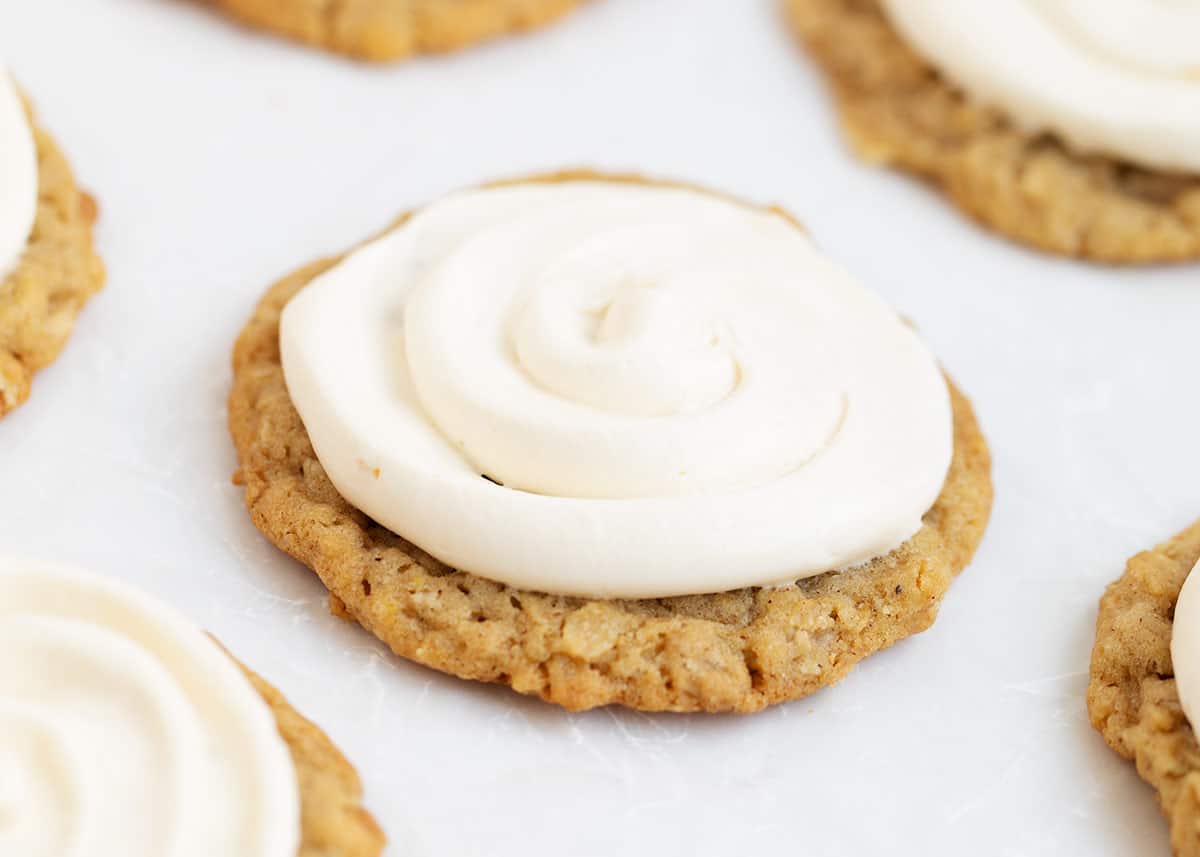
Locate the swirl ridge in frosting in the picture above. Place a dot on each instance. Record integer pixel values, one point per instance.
(1112, 77)
(667, 392)
(125, 730)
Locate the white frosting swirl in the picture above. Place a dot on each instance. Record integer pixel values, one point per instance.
(677, 393)
(1118, 77)
(1185, 647)
(18, 176)
(124, 730)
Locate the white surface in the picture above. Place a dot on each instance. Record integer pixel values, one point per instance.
(222, 159)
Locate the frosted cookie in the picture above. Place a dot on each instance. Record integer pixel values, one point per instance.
(382, 30)
(1073, 126)
(608, 441)
(1144, 695)
(48, 268)
(124, 729)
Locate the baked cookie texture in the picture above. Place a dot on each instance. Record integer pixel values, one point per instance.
(333, 822)
(1132, 700)
(59, 271)
(897, 110)
(382, 30)
(731, 651)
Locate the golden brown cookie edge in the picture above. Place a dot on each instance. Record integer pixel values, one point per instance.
(389, 30)
(55, 276)
(896, 110)
(333, 821)
(738, 651)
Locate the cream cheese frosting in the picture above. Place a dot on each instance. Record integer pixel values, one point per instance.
(124, 730)
(617, 390)
(18, 176)
(1185, 647)
(1114, 77)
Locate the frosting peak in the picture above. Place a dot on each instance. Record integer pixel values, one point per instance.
(631, 346)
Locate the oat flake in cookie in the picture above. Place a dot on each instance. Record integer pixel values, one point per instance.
(212, 759)
(1074, 126)
(608, 441)
(383, 30)
(1145, 677)
(48, 268)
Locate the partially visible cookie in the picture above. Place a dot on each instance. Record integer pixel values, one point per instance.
(1132, 698)
(896, 109)
(333, 821)
(382, 30)
(732, 651)
(58, 272)
(212, 759)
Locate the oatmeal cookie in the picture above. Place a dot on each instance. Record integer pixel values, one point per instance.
(333, 822)
(897, 110)
(730, 651)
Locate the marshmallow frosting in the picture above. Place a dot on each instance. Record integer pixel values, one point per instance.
(1115, 77)
(617, 390)
(18, 176)
(1185, 646)
(125, 730)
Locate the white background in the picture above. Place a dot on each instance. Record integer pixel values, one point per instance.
(222, 159)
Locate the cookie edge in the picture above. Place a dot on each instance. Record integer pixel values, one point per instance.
(1131, 697)
(363, 31)
(333, 820)
(1090, 217)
